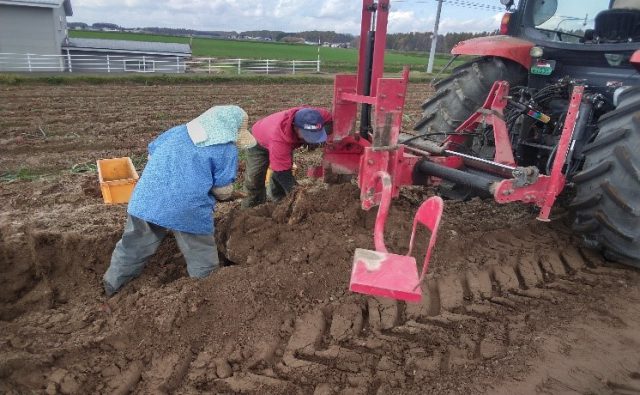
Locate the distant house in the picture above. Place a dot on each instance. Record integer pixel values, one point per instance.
(33, 26)
(33, 37)
(113, 56)
(293, 40)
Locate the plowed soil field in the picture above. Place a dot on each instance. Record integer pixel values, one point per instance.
(511, 306)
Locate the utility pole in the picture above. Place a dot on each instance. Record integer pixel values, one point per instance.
(434, 39)
(318, 61)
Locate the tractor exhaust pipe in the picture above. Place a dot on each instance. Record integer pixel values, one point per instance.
(425, 169)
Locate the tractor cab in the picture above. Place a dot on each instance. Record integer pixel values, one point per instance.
(592, 40)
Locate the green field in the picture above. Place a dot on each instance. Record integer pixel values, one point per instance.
(332, 59)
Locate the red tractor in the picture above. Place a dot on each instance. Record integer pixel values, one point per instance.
(549, 51)
(550, 106)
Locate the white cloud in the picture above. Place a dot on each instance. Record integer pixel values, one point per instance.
(340, 9)
(288, 8)
(287, 15)
(468, 25)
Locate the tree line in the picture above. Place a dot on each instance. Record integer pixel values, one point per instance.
(309, 36)
(405, 42)
(421, 42)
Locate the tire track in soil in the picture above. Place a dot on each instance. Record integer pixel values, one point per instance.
(377, 345)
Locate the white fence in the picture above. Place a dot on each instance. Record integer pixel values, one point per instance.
(263, 66)
(103, 63)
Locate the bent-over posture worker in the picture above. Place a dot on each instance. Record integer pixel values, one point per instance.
(277, 135)
(189, 167)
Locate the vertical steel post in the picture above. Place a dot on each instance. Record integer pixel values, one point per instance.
(267, 66)
(108, 64)
(380, 44)
(365, 26)
(365, 112)
(69, 61)
(434, 39)
(239, 66)
(209, 61)
(29, 61)
(556, 178)
(294, 67)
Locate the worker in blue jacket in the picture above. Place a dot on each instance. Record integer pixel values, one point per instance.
(190, 167)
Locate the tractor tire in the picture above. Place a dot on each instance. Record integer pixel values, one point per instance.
(462, 93)
(607, 201)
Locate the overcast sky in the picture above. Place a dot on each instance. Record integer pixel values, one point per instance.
(342, 16)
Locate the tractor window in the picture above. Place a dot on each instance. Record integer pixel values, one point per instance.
(566, 20)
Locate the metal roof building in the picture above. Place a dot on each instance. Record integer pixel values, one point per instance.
(33, 26)
(112, 56)
(42, 3)
(127, 47)
(33, 37)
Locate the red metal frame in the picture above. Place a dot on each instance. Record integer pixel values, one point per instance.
(346, 152)
(545, 190)
(492, 113)
(383, 165)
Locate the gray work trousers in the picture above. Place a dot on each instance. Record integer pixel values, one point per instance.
(141, 239)
(255, 176)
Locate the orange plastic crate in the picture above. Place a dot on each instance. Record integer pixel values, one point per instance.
(117, 177)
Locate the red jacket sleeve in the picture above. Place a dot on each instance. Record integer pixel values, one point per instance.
(280, 156)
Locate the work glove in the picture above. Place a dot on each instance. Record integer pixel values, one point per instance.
(286, 179)
(223, 193)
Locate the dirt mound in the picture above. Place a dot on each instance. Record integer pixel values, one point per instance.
(280, 318)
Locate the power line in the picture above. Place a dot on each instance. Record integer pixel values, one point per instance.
(457, 3)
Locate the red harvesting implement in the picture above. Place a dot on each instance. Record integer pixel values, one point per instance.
(523, 122)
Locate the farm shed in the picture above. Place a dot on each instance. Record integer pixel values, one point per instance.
(118, 56)
(32, 27)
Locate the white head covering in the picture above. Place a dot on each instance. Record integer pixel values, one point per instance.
(221, 125)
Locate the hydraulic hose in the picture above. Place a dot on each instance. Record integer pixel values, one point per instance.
(427, 168)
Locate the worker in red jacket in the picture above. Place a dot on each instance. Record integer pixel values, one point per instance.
(277, 135)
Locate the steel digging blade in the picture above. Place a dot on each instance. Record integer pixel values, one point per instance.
(381, 273)
(385, 274)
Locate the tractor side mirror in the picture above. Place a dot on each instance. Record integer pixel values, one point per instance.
(543, 10)
(507, 3)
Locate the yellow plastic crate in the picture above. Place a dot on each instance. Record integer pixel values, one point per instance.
(117, 177)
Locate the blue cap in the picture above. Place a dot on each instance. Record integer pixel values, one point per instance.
(311, 125)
